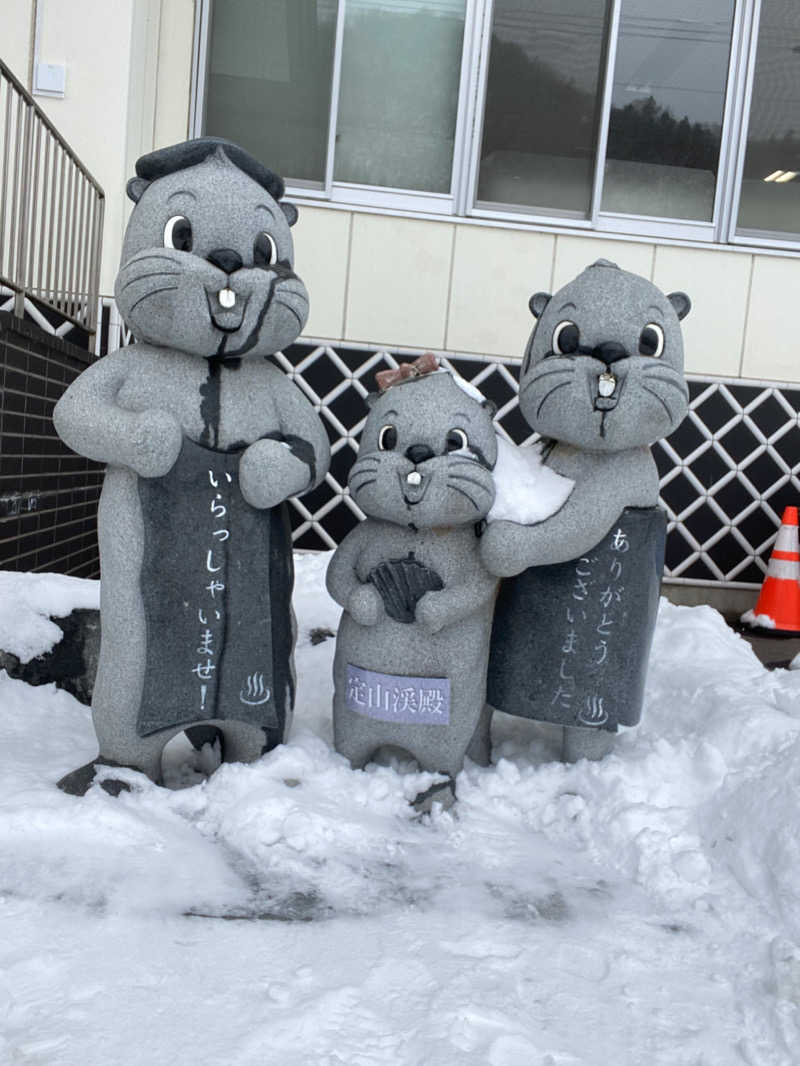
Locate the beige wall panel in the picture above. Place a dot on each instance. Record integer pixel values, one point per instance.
(717, 283)
(143, 80)
(16, 31)
(174, 72)
(573, 254)
(321, 240)
(495, 271)
(399, 279)
(93, 39)
(771, 345)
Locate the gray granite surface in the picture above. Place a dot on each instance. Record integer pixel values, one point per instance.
(208, 287)
(602, 380)
(411, 652)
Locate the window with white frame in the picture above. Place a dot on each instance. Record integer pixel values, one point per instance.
(269, 82)
(769, 201)
(631, 116)
(354, 99)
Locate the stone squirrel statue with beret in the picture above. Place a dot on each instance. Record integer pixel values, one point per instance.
(601, 380)
(412, 646)
(204, 439)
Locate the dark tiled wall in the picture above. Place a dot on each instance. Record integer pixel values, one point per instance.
(48, 495)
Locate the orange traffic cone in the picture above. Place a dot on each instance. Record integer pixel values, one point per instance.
(778, 607)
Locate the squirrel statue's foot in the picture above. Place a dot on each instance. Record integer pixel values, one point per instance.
(443, 793)
(78, 782)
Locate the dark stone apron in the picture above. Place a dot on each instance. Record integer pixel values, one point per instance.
(216, 582)
(570, 642)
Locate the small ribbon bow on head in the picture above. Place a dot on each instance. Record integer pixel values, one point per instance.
(426, 364)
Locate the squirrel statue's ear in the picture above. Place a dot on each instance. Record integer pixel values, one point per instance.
(538, 302)
(290, 211)
(135, 188)
(681, 302)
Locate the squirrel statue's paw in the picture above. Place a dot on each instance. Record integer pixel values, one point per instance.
(432, 613)
(156, 443)
(269, 474)
(365, 605)
(497, 549)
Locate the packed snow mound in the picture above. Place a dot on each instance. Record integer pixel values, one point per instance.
(29, 601)
(526, 490)
(643, 910)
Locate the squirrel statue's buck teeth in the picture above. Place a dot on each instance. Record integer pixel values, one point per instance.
(227, 297)
(414, 478)
(606, 385)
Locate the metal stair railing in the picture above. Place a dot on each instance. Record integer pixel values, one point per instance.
(51, 213)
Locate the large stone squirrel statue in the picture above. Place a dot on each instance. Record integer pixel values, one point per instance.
(205, 438)
(413, 642)
(601, 380)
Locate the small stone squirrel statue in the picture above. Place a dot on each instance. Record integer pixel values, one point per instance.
(412, 646)
(204, 439)
(602, 379)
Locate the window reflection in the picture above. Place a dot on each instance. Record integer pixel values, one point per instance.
(543, 104)
(398, 100)
(667, 108)
(770, 198)
(269, 81)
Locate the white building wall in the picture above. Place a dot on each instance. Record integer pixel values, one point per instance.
(128, 66)
(174, 72)
(16, 36)
(452, 285)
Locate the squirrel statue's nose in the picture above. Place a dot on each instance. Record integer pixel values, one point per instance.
(418, 453)
(226, 259)
(609, 352)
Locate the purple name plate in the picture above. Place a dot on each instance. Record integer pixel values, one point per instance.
(391, 698)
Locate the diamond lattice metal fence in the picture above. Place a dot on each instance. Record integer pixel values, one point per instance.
(726, 473)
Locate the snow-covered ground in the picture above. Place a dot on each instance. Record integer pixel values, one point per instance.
(643, 910)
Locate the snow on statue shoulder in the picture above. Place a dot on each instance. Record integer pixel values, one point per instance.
(602, 379)
(204, 439)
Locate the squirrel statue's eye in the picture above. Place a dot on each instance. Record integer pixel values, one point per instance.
(264, 250)
(178, 234)
(456, 440)
(387, 439)
(566, 338)
(651, 340)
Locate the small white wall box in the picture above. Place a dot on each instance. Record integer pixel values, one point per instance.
(50, 80)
